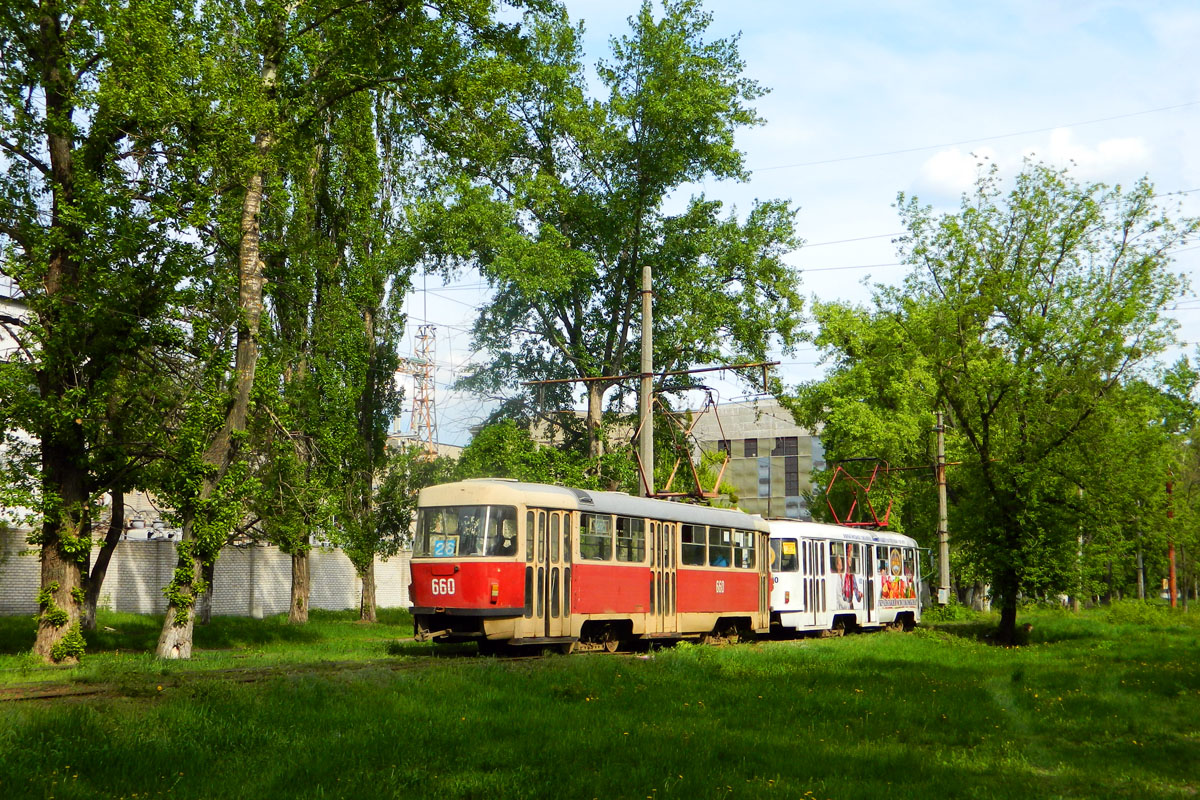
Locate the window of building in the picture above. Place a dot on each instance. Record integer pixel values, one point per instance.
(725, 446)
(791, 476)
(786, 446)
(750, 448)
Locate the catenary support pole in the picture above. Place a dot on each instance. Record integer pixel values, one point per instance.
(1171, 584)
(645, 396)
(942, 532)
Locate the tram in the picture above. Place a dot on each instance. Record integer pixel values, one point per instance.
(835, 578)
(503, 562)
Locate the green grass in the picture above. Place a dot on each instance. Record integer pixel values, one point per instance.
(123, 644)
(1092, 707)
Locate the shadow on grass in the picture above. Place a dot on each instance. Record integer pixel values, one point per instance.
(427, 649)
(139, 632)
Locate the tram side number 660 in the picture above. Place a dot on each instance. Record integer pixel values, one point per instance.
(442, 586)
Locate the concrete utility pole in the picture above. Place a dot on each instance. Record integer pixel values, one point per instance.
(942, 533)
(645, 396)
(1171, 585)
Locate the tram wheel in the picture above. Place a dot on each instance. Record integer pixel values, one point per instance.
(610, 642)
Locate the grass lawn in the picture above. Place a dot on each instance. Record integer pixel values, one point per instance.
(1099, 705)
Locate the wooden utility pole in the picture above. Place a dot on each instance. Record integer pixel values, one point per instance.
(646, 394)
(943, 532)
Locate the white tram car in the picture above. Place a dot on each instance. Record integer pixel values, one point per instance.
(830, 577)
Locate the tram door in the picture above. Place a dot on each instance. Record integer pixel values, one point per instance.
(662, 536)
(815, 558)
(868, 562)
(552, 606)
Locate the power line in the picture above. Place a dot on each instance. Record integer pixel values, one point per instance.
(972, 141)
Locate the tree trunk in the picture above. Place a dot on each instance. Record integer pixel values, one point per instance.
(64, 452)
(204, 603)
(595, 417)
(1006, 590)
(175, 640)
(366, 610)
(95, 579)
(65, 543)
(301, 588)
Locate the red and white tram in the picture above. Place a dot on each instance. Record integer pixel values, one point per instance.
(498, 561)
(829, 577)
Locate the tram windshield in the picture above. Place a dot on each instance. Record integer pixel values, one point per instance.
(453, 531)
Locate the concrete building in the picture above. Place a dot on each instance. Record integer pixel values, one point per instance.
(771, 458)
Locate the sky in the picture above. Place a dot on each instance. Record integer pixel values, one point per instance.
(868, 99)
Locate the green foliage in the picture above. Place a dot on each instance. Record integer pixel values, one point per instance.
(95, 232)
(51, 613)
(506, 450)
(388, 525)
(951, 612)
(1032, 316)
(70, 647)
(1145, 613)
(563, 221)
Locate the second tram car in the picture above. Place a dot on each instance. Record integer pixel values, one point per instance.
(503, 562)
(829, 577)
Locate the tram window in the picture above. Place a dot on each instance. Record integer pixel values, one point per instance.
(693, 537)
(554, 593)
(528, 592)
(451, 531)
(855, 564)
(743, 549)
(910, 564)
(554, 544)
(595, 537)
(541, 539)
(505, 543)
(881, 560)
(720, 547)
(631, 539)
(785, 553)
(837, 557)
(566, 538)
(529, 537)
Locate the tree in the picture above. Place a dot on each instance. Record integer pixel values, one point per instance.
(383, 524)
(285, 69)
(568, 218)
(96, 113)
(1027, 316)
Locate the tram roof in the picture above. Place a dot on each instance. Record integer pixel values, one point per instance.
(496, 490)
(819, 530)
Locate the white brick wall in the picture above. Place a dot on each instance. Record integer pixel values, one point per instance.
(249, 581)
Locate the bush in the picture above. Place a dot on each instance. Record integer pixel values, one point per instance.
(1143, 612)
(953, 611)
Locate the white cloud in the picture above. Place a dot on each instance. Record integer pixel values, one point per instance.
(952, 172)
(1109, 157)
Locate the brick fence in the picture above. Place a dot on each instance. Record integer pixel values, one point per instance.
(252, 581)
